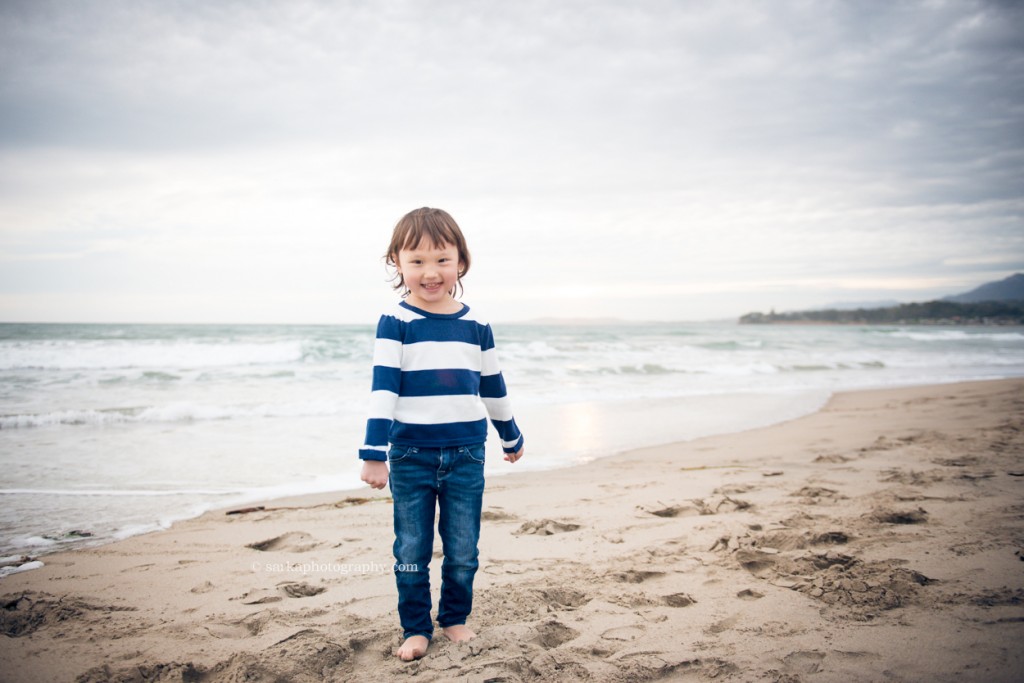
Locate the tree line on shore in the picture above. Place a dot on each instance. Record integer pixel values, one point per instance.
(926, 313)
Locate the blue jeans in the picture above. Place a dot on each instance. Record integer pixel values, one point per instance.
(452, 480)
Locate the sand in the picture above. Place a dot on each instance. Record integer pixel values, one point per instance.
(879, 539)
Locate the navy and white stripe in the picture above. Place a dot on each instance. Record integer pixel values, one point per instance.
(436, 382)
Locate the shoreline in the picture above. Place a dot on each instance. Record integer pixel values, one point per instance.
(130, 430)
(814, 547)
(322, 497)
(615, 421)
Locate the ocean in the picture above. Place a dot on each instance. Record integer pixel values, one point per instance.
(112, 430)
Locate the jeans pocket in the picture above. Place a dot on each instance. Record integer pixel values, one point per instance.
(474, 452)
(400, 453)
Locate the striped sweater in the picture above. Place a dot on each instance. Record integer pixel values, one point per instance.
(436, 380)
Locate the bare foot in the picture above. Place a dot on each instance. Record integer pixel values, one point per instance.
(414, 647)
(458, 633)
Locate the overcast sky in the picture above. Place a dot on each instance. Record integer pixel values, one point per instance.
(229, 161)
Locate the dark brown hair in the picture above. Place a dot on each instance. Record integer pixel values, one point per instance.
(434, 225)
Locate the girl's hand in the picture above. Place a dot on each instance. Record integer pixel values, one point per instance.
(375, 473)
(512, 457)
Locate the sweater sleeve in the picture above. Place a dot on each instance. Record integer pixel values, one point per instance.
(495, 396)
(387, 378)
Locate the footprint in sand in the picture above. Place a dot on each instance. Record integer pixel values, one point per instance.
(497, 515)
(757, 561)
(805, 662)
(633, 600)
(259, 596)
(553, 633)
(832, 458)
(831, 538)
(545, 527)
(670, 511)
(721, 504)
(912, 477)
(755, 550)
(630, 632)
(247, 627)
(300, 589)
(812, 495)
(698, 506)
(285, 589)
(635, 575)
(563, 596)
(293, 541)
(678, 600)
(963, 461)
(890, 516)
(977, 475)
(723, 625)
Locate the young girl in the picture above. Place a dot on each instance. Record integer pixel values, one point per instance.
(435, 382)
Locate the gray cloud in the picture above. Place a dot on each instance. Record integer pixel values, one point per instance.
(763, 140)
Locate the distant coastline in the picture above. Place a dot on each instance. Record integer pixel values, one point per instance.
(993, 303)
(927, 313)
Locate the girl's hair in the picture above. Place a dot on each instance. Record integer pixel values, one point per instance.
(434, 225)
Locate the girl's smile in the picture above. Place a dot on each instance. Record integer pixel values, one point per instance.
(431, 274)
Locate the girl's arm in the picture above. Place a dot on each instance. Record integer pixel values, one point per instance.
(387, 375)
(495, 397)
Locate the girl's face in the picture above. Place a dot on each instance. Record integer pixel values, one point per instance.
(430, 274)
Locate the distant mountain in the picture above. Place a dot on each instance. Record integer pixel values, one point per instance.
(1010, 289)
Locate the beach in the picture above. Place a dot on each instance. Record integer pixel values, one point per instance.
(880, 538)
